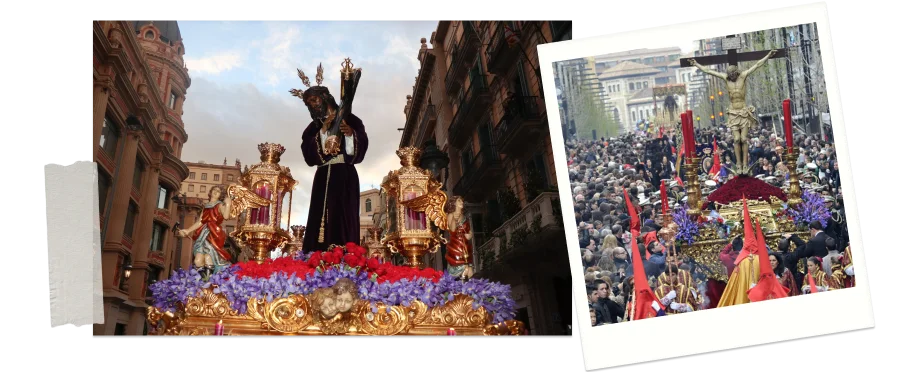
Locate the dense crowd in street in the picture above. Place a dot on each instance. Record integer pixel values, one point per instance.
(601, 170)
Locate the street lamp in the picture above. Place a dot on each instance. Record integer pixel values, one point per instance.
(435, 161)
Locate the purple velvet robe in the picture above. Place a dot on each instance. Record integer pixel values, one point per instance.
(342, 196)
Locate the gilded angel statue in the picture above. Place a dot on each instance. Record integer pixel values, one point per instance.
(207, 233)
(448, 214)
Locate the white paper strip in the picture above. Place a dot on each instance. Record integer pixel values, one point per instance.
(74, 244)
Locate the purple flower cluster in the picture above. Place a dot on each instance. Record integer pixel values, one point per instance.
(688, 227)
(496, 298)
(813, 208)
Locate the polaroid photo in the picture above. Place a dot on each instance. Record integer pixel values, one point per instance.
(706, 170)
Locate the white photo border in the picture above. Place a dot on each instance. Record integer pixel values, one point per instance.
(729, 327)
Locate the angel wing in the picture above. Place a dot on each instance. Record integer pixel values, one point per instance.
(432, 204)
(242, 199)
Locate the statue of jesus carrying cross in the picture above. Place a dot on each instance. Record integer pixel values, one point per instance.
(741, 117)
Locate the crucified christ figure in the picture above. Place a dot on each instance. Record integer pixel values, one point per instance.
(740, 116)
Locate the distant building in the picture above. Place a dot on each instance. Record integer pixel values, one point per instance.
(140, 82)
(370, 204)
(479, 99)
(626, 82)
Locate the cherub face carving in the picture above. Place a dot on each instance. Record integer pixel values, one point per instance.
(344, 302)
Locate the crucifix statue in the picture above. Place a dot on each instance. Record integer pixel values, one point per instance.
(741, 116)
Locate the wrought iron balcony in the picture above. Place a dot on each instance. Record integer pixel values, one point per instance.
(477, 177)
(521, 124)
(464, 54)
(474, 104)
(535, 228)
(501, 56)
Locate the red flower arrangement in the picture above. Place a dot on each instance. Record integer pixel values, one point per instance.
(352, 255)
(747, 187)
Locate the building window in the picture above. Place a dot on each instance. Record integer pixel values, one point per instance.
(154, 274)
(660, 59)
(120, 329)
(216, 177)
(190, 188)
(109, 137)
(367, 205)
(150, 35)
(138, 174)
(230, 178)
(192, 175)
(131, 220)
(203, 177)
(158, 237)
(202, 188)
(630, 86)
(162, 197)
(639, 85)
(104, 187)
(172, 102)
(645, 84)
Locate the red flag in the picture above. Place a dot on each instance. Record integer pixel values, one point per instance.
(664, 193)
(634, 216)
(811, 282)
(680, 183)
(717, 164)
(750, 240)
(644, 297)
(768, 287)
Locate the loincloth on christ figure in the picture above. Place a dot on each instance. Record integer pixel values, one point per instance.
(741, 118)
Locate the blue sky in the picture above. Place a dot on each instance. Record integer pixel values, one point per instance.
(241, 73)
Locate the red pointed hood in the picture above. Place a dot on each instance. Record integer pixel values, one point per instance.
(750, 240)
(644, 296)
(768, 287)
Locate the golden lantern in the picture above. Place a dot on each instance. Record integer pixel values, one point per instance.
(260, 229)
(416, 204)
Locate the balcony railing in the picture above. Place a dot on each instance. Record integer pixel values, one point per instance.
(522, 232)
(501, 56)
(464, 54)
(483, 169)
(473, 104)
(520, 124)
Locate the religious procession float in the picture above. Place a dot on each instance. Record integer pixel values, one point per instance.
(702, 230)
(346, 288)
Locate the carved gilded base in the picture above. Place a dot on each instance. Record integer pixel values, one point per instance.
(708, 245)
(295, 316)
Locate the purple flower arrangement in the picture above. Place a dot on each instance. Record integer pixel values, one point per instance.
(688, 228)
(813, 208)
(496, 298)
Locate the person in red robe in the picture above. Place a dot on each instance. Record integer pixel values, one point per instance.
(459, 247)
(208, 236)
(333, 217)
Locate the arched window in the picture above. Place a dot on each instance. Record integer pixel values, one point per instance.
(150, 35)
(367, 205)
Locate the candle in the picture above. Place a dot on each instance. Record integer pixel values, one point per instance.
(685, 136)
(219, 329)
(451, 332)
(787, 109)
(664, 199)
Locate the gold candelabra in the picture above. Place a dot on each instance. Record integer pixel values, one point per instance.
(261, 230)
(694, 196)
(794, 191)
(411, 234)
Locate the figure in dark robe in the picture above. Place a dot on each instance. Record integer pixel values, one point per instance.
(333, 217)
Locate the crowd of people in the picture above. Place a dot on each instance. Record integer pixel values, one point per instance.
(601, 170)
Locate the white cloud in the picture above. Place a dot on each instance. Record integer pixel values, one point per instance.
(214, 64)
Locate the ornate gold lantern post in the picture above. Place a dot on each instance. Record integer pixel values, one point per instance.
(694, 196)
(297, 240)
(794, 191)
(375, 247)
(411, 233)
(261, 229)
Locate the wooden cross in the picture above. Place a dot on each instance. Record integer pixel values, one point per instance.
(731, 44)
